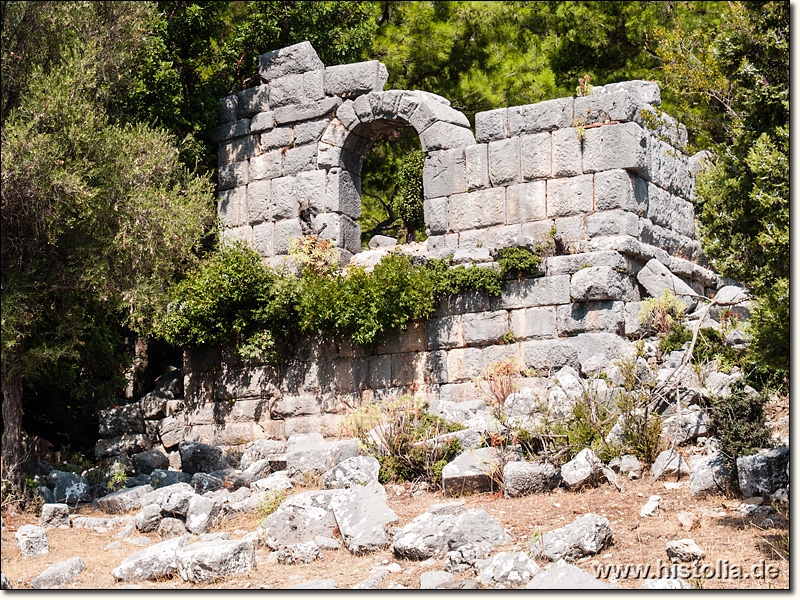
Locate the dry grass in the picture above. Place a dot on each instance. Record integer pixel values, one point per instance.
(636, 540)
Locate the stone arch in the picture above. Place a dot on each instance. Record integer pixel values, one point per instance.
(358, 124)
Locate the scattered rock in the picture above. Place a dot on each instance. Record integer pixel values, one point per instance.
(149, 518)
(300, 518)
(55, 515)
(259, 469)
(5, 582)
(523, 478)
(431, 580)
(59, 574)
(357, 470)
(460, 559)
(477, 528)
(160, 478)
(170, 527)
(583, 470)
(31, 541)
(684, 550)
(764, 472)
(373, 582)
(303, 552)
(362, 517)
(585, 536)
(711, 474)
(173, 499)
(670, 463)
(159, 560)
(459, 584)
(202, 514)
(426, 536)
(125, 500)
(509, 570)
(200, 458)
(311, 454)
(562, 576)
(627, 465)
(208, 561)
(150, 460)
(471, 472)
(650, 509)
(686, 520)
(70, 487)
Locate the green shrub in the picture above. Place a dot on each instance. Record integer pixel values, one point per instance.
(270, 503)
(519, 262)
(738, 422)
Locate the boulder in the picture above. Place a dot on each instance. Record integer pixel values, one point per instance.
(357, 470)
(256, 470)
(380, 241)
(584, 470)
(477, 528)
(273, 482)
(55, 515)
(311, 454)
(426, 536)
(208, 561)
(461, 559)
(362, 517)
(430, 580)
(763, 473)
(200, 458)
(711, 474)
(650, 509)
(302, 552)
(125, 500)
(159, 560)
(471, 472)
(301, 518)
(563, 576)
(509, 570)
(150, 460)
(160, 478)
(260, 450)
(373, 582)
(125, 444)
(585, 536)
(120, 420)
(173, 499)
(523, 478)
(691, 425)
(670, 463)
(656, 279)
(170, 527)
(58, 574)
(627, 465)
(31, 541)
(684, 550)
(149, 518)
(153, 406)
(70, 487)
(202, 514)
(205, 482)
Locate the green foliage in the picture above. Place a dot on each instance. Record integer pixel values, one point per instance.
(641, 428)
(663, 314)
(519, 262)
(738, 422)
(270, 503)
(587, 427)
(409, 199)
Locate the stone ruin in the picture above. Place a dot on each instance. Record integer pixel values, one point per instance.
(605, 173)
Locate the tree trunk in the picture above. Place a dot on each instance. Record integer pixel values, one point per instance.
(12, 428)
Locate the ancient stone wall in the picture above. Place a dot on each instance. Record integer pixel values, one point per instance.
(605, 172)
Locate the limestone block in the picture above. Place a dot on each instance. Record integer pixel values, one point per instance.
(284, 231)
(346, 113)
(429, 112)
(536, 232)
(234, 174)
(298, 58)
(464, 363)
(572, 263)
(609, 106)
(286, 90)
(340, 228)
(293, 406)
(228, 109)
(379, 373)
(229, 131)
(646, 91)
(363, 109)
(244, 234)
(607, 316)
(407, 368)
(536, 153)
(504, 237)
(263, 241)
(349, 81)
(436, 214)
(571, 231)
(542, 116)
(504, 162)
(253, 100)
(612, 222)
(309, 132)
(616, 146)
(445, 332)
(263, 121)
(284, 203)
(600, 283)
(526, 202)
(310, 189)
(475, 238)
(301, 158)
(481, 208)
(278, 138)
(386, 104)
(411, 339)
(343, 193)
(620, 189)
(549, 354)
(491, 125)
(539, 291)
(229, 205)
(436, 367)
(305, 110)
(237, 149)
(258, 201)
(569, 196)
(443, 136)
(656, 278)
(566, 152)
(485, 328)
(444, 173)
(477, 167)
(266, 166)
(536, 322)
(314, 84)
(633, 325)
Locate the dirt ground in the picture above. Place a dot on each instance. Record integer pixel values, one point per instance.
(722, 534)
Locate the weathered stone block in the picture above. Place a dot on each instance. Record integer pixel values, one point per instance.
(566, 152)
(605, 316)
(253, 100)
(445, 332)
(263, 235)
(306, 110)
(504, 162)
(485, 328)
(237, 149)
(280, 137)
(444, 173)
(443, 136)
(310, 189)
(526, 202)
(539, 291)
(266, 166)
(233, 175)
(656, 278)
(491, 125)
(620, 189)
(309, 131)
(407, 368)
(600, 283)
(542, 116)
(570, 196)
(343, 193)
(616, 146)
(572, 263)
(340, 228)
(535, 322)
(436, 214)
(228, 109)
(283, 203)
(286, 90)
(610, 106)
(612, 222)
(355, 79)
(477, 167)
(481, 208)
(504, 237)
(475, 238)
(571, 231)
(301, 158)
(430, 111)
(258, 202)
(263, 121)
(464, 363)
(549, 354)
(298, 58)
(229, 131)
(314, 84)
(284, 231)
(380, 371)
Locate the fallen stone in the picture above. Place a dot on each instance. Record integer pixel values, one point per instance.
(327, 543)
(170, 527)
(562, 576)
(208, 561)
(460, 559)
(202, 514)
(200, 458)
(426, 536)
(431, 580)
(70, 487)
(140, 541)
(477, 528)
(471, 472)
(524, 478)
(627, 465)
(670, 463)
(149, 518)
(311, 454)
(584, 470)
(763, 473)
(260, 450)
(711, 474)
(58, 574)
(373, 582)
(656, 279)
(173, 499)
(650, 509)
(684, 550)
(585, 536)
(31, 541)
(125, 500)
(509, 570)
(257, 470)
(302, 552)
(159, 560)
(686, 520)
(362, 517)
(273, 483)
(54, 515)
(161, 478)
(357, 470)
(301, 518)
(150, 460)
(459, 584)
